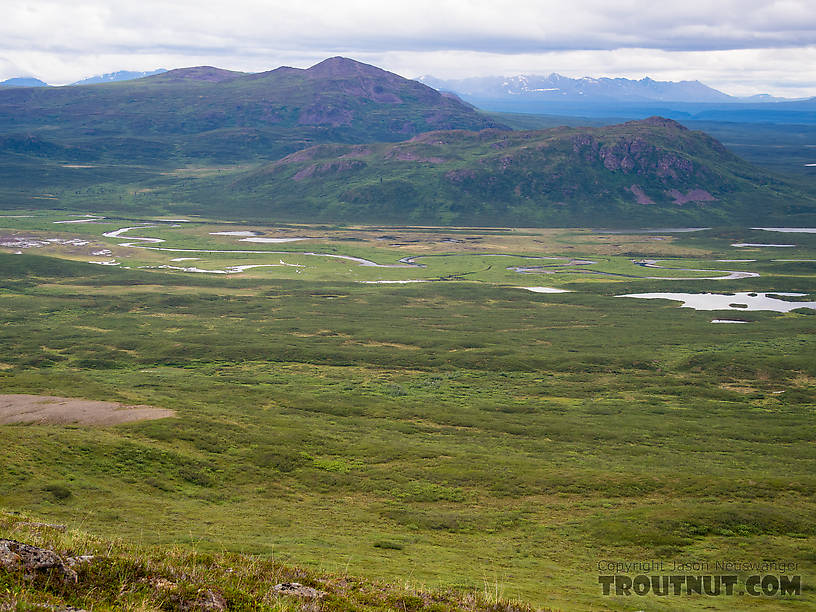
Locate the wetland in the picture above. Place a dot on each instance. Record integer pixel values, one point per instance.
(332, 410)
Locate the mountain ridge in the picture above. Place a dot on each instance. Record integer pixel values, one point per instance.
(207, 112)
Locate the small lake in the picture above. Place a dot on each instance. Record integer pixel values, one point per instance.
(660, 230)
(722, 301)
(236, 233)
(759, 244)
(788, 230)
(272, 240)
(545, 289)
(393, 282)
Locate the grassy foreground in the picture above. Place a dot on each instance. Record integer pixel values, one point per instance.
(123, 576)
(440, 435)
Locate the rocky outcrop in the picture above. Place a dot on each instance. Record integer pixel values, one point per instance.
(209, 600)
(640, 195)
(298, 590)
(325, 114)
(33, 561)
(404, 154)
(633, 155)
(333, 167)
(460, 176)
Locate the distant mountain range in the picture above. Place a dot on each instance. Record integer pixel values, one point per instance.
(556, 87)
(623, 98)
(121, 75)
(23, 82)
(110, 77)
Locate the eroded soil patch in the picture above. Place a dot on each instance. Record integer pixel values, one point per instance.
(17, 408)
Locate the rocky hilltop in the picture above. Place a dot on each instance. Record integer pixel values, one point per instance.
(649, 171)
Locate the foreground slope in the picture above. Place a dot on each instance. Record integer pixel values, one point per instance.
(44, 566)
(650, 171)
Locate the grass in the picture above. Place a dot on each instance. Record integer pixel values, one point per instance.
(124, 576)
(450, 435)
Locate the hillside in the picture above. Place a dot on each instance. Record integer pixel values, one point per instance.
(651, 171)
(210, 113)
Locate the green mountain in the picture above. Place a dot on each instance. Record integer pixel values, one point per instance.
(225, 116)
(653, 171)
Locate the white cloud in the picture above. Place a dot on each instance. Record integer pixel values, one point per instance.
(62, 42)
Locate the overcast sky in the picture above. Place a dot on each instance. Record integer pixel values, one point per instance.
(739, 46)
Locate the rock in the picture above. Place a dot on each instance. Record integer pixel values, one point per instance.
(297, 589)
(162, 584)
(694, 195)
(16, 556)
(209, 600)
(14, 605)
(640, 195)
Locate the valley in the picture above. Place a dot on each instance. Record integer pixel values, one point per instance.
(459, 433)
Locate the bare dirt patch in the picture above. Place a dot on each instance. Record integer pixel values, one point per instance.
(64, 410)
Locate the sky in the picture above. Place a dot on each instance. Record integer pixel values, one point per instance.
(742, 47)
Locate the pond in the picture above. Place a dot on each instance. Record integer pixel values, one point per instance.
(788, 230)
(759, 244)
(734, 301)
(545, 289)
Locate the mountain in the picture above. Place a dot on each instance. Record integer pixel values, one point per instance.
(114, 77)
(23, 82)
(622, 99)
(346, 141)
(210, 113)
(653, 171)
(556, 87)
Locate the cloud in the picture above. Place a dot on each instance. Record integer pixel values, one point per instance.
(48, 36)
(363, 25)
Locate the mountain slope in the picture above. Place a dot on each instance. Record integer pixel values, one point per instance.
(206, 112)
(651, 171)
